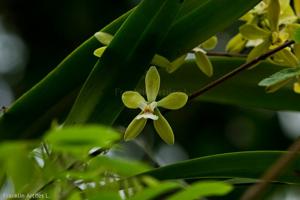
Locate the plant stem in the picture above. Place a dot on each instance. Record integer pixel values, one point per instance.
(238, 70)
(255, 191)
(225, 54)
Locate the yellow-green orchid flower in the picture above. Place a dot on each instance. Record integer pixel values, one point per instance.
(149, 108)
(268, 26)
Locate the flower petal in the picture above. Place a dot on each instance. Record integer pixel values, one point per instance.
(104, 38)
(133, 100)
(204, 63)
(134, 128)
(98, 52)
(147, 116)
(152, 82)
(163, 128)
(253, 32)
(210, 44)
(173, 101)
(273, 14)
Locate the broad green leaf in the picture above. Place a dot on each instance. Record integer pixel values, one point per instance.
(253, 32)
(275, 87)
(155, 191)
(250, 164)
(202, 189)
(163, 128)
(19, 167)
(81, 139)
(280, 76)
(204, 63)
(122, 167)
(199, 24)
(124, 62)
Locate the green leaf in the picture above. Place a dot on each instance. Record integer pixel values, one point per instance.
(107, 195)
(155, 191)
(124, 168)
(204, 63)
(280, 76)
(250, 164)
(202, 189)
(81, 139)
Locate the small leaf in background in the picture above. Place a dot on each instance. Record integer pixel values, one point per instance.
(155, 191)
(203, 189)
(20, 168)
(104, 38)
(98, 52)
(277, 86)
(122, 167)
(210, 44)
(80, 139)
(280, 76)
(204, 63)
(296, 35)
(105, 195)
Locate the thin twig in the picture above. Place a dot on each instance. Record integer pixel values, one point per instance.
(225, 54)
(237, 70)
(275, 170)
